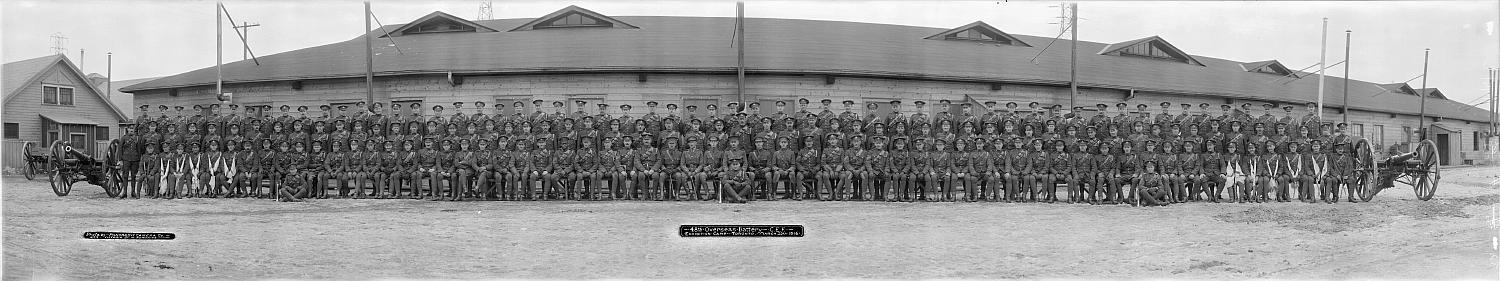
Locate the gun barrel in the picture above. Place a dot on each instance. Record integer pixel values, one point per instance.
(81, 157)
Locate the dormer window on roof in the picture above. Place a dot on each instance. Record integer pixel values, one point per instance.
(1153, 50)
(977, 35)
(1268, 67)
(574, 20)
(1267, 70)
(441, 25)
(1432, 93)
(438, 22)
(573, 16)
(1401, 88)
(1150, 47)
(981, 32)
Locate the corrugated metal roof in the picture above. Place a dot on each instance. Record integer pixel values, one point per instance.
(700, 44)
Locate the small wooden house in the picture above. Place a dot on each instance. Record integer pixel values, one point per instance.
(49, 98)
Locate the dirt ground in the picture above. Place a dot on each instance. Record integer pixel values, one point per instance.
(1452, 236)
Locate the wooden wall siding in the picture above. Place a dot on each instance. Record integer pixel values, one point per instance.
(14, 157)
(1459, 142)
(25, 108)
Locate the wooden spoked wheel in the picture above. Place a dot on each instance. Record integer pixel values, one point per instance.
(113, 176)
(1425, 176)
(1365, 171)
(31, 169)
(60, 178)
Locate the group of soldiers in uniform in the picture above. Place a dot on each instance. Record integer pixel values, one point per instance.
(999, 153)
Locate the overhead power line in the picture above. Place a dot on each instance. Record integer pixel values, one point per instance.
(387, 33)
(242, 35)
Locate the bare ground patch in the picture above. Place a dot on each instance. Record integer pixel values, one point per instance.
(1335, 218)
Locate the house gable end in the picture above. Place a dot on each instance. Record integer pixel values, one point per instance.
(26, 107)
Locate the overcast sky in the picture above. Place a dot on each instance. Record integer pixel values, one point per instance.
(159, 38)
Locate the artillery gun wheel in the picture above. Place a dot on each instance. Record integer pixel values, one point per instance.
(1425, 176)
(31, 169)
(1365, 171)
(62, 180)
(113, 177)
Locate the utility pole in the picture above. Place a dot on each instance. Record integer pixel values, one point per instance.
(1322, 65)
(1347, 36)
(1423, 123)
(739, 40)
(246, 26)
(1073, 57)
(1493, 101)
(369, 60)
(109, 73)
(219, 50)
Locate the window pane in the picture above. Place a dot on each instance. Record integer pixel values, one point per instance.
(65, 96)
(80, 142)
(587, 20)
(101, 133)
(1380, 133)
(1143, 50)
(49, 95)
(12, 130)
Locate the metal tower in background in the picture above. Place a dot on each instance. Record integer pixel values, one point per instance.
(486, 11)
(59, 43)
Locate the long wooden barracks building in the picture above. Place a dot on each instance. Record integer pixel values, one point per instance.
(576, 54)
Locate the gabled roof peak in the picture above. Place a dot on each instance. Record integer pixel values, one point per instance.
(1150, 47)
(979, 31)
(1399, 88)
(573, 16)
(17, 75)
(438, 22)
(1432, 93)
(1268, 67)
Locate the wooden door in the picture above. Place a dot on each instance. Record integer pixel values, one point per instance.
(1442, 147)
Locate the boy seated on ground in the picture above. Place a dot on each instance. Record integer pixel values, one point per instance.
(1152, 191)
(736, 187)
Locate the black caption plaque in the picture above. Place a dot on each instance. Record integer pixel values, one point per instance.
(748, 230)
(129, 235)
